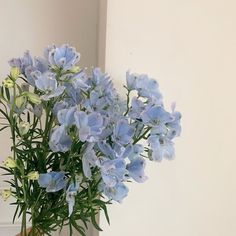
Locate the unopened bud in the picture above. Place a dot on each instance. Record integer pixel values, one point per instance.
(23, 127)
(8, 83)
(5, 193)
(15, 72)
(34, 98)
(9, 162)
(75, 69)
(33, 175)
(20, 101)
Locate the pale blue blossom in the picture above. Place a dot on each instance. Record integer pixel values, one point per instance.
(52, 181)
(49, 86)
(131, 80)
(174, 127)
(136, 169)
(64, 57)
(67, 116)
(89, 160)
(116, 193)
(135, 152)
(89, 126)
(22, 62)
(80, 81)
(113, 171)
(160, 147)
(145, 86)
(123, 132)
(115, 151)
(156, 116)
(137, 107)
(71, 192)
(59, 106)
(73, 96)
(32, 72)
(60, 141)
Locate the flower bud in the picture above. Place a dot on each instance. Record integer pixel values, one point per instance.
(15, 72)
(8, 83)
(9, 162)
(20, 101)
(34, 98)
(5, 193)
(23, 127)
(75, 69)
(33, 175)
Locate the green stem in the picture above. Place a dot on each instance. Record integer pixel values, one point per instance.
(128, 100)
(12, 123)
(142, 136)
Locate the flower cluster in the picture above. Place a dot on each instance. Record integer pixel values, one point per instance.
(91, 135)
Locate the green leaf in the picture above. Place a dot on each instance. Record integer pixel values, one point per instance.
(104, 207)
(4, 127)
(7, 92)
(16, 211)
(93, 219)
(80, 229)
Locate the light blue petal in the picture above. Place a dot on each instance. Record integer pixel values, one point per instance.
(136, 170)
(44, 180)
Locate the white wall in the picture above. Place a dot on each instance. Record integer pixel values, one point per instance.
(32, 25)
(190, 47)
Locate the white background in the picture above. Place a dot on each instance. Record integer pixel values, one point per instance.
(189, 46)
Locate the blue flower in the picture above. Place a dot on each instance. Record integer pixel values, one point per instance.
(32, 72)
(146, 87)
(115, 151)
(52, 181)
(136, 169)
(156, 116)
(96, 102)
(123, 132)
(89, 126)
(135, 151)
(174, 127)
(160, 147)
(116, 193)
(22, 62)
(137, 107)
(71, 192)
(59, 106)
(103, 86)
(66, 116)
(131, 80)
(89, 160)
(113, 171)
(48, 84)
(60, 141)
(64, 57)
(73, 96)
(80, 81)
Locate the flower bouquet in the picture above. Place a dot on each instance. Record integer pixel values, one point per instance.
(75, 142)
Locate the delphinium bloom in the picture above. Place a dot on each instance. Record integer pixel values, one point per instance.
(71, 192)
(52, 181)
(68, 121)
(64, 57)
(47, 83)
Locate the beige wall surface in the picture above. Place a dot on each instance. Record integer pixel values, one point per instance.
(32, 25)
(189, 46)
